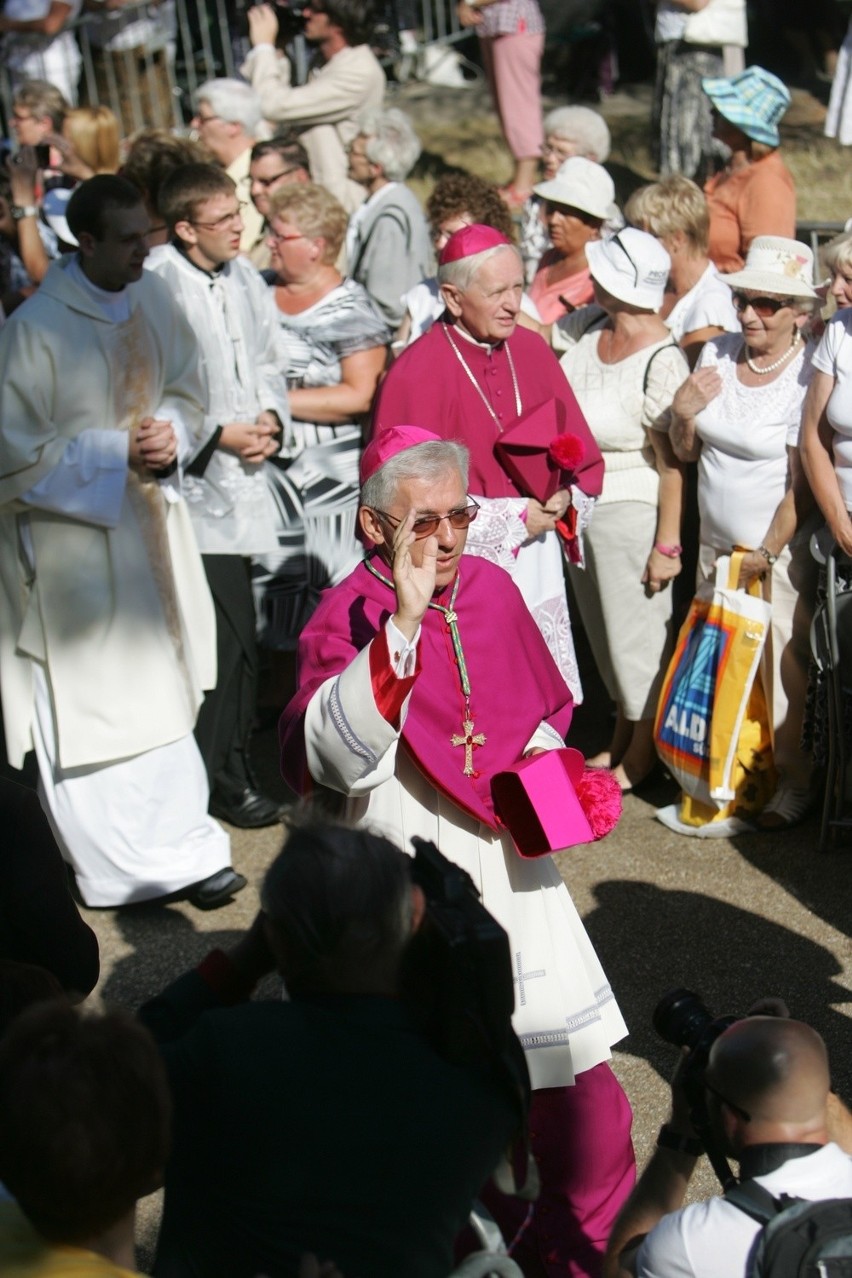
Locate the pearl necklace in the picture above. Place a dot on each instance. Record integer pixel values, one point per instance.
(770, 368)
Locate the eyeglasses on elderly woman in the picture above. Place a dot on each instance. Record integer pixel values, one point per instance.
(763, 307)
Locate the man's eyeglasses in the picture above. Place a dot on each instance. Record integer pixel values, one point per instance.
(428, 525)
(276, 177)
(222, 222)
(763, 307)
(737, 1109)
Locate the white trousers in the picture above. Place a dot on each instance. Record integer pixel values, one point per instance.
(134, 828)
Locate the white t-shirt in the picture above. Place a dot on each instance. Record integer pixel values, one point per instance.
(715, 1238)
(671, 22)
(707, 305)
(834, 356)
(745, 433)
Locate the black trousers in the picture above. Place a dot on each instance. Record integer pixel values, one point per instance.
(225, 719)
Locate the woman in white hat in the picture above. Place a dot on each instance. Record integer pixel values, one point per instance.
(568, 131)
(577, 202)
(624, 369)
(739, 414)
(755, 194)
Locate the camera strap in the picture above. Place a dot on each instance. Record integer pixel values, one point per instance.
(760, 1160)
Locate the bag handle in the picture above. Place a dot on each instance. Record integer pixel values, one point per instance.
(735, 563)
(734, 566)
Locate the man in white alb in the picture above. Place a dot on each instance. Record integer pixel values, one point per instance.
(106, 623)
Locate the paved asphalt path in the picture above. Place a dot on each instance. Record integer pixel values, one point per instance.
(732, 919)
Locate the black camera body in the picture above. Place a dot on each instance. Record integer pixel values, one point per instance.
(291, 20)
(457, 976)
(682, 1018)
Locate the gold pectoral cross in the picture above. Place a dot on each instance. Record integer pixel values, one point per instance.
(468, 741)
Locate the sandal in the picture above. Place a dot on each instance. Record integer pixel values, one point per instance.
(786, 808)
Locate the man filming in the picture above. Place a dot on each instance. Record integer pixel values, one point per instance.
(769, 1106)
(346, 81)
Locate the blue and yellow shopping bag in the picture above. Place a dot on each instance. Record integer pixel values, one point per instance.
(709, 699)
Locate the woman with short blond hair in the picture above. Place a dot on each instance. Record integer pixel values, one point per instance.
(334, 343)
(697, 304)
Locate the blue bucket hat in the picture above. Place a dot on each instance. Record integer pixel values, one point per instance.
(754, 101)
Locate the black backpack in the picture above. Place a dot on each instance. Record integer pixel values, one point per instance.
(799, 1238)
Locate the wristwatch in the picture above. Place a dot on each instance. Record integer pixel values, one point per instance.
(23, 210)
(767, 555)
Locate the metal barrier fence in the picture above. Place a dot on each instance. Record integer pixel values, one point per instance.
(145, 61)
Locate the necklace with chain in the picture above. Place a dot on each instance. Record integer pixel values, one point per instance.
(770, 368)
(467, 737)
(480, 392)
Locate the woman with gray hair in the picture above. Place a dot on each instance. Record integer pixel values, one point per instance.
(387, 243)
(837, 258)
(739, 416)
(568, 131)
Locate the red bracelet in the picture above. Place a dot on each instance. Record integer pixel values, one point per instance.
(671, 552)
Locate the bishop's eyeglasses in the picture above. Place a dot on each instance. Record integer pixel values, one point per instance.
(427, 525)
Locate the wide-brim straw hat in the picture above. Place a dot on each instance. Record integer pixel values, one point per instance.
(777, 266)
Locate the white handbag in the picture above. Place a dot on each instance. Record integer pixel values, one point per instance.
(719, 22)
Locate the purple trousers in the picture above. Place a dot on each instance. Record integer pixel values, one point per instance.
(580, 1137)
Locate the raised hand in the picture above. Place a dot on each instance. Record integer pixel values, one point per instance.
(263, 24)
(414, 582)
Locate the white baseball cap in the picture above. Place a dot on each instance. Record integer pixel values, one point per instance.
(631, 265)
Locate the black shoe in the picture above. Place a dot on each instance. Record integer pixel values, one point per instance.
(250, 811)
(216, 890)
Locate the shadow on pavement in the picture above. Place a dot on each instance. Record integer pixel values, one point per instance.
(651, 939)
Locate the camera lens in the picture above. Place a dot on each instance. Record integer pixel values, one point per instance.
(681, 1017)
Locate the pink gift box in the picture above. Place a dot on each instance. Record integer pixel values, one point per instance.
(537, 802)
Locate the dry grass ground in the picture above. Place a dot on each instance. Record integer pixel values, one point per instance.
(460, 130)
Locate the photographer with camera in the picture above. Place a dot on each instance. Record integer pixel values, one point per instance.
(760, 1094)
(326, 1122)
(346, 81)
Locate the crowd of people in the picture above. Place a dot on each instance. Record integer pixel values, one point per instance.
(261, 410)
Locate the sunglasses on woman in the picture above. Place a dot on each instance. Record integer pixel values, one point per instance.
(762, 306)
